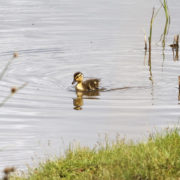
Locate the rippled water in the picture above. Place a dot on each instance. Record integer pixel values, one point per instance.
(103, 39)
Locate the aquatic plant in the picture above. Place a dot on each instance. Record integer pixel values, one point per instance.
(145, 41)
(166, 28)
(154, 14)
(167, 23)
(15, 55)
(13, 89)
(163, 36)
(175, 48)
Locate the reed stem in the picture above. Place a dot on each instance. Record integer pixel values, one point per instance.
(167, 23)
(150, 36)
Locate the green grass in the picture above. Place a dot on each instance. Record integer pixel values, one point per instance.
(158, 158)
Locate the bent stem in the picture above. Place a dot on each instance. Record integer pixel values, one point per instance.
(167, 23)
(6, 67)
(13, 91)
(15, 55)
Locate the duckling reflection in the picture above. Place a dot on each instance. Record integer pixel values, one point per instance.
(78, 102)
(89, 88)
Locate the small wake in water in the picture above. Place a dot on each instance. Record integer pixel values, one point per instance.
(123, 88)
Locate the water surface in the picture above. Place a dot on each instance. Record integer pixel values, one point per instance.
(103, 39)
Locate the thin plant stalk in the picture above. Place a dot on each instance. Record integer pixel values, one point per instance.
(145, 41)
(167, 23)
(165, 6)
(6, 67)
(150, 36)
(151, 23)
(13, 91)
(15, 55)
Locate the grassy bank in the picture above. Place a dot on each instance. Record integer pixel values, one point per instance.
(158, 158)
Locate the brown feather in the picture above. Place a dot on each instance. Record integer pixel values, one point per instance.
(91, 84)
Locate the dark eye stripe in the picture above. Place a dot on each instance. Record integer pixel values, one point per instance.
(78, 76)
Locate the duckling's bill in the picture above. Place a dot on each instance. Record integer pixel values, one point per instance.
(73, 81)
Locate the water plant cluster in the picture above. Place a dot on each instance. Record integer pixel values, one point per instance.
(166, 27)
(175, 45)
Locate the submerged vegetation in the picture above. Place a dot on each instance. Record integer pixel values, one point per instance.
(158, 158)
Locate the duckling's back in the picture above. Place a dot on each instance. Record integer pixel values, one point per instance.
(91, 84)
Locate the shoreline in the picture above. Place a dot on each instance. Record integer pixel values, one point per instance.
(157, 158)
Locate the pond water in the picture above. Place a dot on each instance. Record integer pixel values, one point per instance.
(100, 38)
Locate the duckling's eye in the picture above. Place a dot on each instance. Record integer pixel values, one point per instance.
(78, 76)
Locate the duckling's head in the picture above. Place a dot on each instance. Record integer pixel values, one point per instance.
(78, 77)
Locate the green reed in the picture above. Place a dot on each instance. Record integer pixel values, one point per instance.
(167, 23)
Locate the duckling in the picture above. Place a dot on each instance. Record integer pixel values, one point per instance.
(88, 85)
